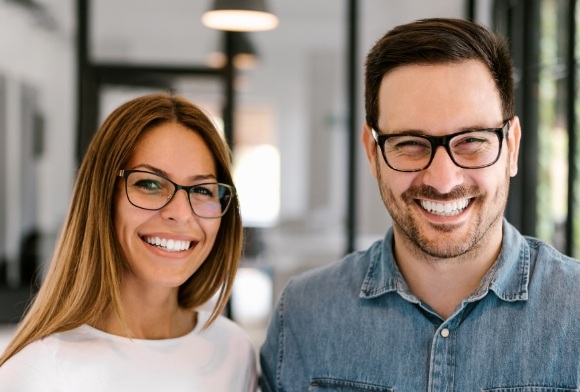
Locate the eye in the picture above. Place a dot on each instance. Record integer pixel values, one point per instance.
(410, 144)
(471, 139)
(148, 184)
(407, 145)
(206, 191)
(474, 142)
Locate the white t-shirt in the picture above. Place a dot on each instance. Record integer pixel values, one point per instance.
(220, 358)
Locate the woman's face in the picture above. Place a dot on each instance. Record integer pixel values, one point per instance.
(184, 239)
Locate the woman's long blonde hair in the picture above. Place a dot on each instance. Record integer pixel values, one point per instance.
(84, 277)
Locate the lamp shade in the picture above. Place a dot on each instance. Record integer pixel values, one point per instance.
(244, 53)
(240, 15)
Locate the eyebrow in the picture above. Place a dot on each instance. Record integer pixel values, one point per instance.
(419, 132)
(163, 173)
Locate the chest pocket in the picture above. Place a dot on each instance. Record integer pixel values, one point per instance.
(333, 385)
(531, 389)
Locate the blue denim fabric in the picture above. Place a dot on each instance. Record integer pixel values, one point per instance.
(355, 326)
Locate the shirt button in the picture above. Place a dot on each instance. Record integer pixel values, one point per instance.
(444, 332)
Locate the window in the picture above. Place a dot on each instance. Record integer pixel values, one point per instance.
(543, 39)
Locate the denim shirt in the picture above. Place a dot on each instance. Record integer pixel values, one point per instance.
(355, 326)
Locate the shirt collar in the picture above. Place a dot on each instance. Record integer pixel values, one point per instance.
(512, 276)
(508, 278)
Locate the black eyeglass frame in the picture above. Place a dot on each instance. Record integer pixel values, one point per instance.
(187, 188)
(443, 141)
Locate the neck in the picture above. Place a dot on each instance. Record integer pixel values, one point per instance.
(443, 283)
(149, 314)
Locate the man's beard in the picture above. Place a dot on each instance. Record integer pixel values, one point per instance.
(438, 240)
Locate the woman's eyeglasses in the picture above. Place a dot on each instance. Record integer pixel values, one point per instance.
(151, 191)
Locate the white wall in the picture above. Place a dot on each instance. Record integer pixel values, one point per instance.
(37, 50)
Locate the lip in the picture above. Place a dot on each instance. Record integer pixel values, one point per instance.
(444, 209)
(169, 244)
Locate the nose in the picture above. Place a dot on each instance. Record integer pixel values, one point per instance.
(442, 174)
(178, 209)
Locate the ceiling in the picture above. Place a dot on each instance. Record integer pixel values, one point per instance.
(170, 31)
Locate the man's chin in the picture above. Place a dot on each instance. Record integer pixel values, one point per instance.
(445, 227)
(441, 240)
(446, 251)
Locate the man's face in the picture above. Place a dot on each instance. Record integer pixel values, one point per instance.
(439, 100)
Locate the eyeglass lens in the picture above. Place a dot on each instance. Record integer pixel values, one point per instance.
(470, 150)
(152, 192)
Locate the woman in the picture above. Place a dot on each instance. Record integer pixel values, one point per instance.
(153, 232)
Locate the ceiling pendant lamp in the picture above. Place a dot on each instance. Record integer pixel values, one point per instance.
(244, 53)
(240, 15)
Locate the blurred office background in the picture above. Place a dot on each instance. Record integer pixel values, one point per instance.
(291, 109)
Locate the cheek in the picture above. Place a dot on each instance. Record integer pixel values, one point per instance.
(398, 182)
(492, 182)
(210, 228)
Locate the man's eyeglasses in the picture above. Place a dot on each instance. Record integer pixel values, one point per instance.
(151, 191)
(469, 149)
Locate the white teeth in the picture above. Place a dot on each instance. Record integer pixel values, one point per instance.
(169, 244)
(445, 209)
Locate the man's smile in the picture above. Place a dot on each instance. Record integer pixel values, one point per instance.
(445, 208)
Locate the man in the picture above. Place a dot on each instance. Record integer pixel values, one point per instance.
(454, 298)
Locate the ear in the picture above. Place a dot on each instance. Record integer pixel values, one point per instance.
(370, 147)
(513, 144)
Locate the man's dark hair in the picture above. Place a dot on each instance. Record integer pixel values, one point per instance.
(438, 41)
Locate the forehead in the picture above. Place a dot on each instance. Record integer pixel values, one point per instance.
(439, 97)
(174, 148)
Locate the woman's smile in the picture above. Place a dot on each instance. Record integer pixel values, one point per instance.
(168, 244)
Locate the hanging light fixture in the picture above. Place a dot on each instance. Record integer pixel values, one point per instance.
(245, 55)
(240, 15)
